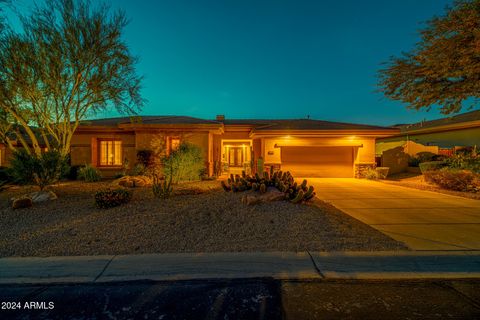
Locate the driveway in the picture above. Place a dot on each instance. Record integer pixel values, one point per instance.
(423, 220)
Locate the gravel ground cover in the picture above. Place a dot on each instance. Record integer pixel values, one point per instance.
(199, 218)
(416, 181)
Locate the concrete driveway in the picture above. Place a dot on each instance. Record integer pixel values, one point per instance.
(423, 220)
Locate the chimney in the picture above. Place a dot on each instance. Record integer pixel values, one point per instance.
(220, 117)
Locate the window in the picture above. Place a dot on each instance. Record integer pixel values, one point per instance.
(173, 144)
(110, 153)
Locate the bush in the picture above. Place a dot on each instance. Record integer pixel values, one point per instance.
(431, 165)
(453, 179)
(5, 175)
(372, 174)
(138, 170)
(41, 170)
(145, 157)
(109, 198)
(186, 163)
(465, 161)
(73, 173)
(89, 174)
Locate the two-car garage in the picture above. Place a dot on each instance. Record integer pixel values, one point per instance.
(313, 161)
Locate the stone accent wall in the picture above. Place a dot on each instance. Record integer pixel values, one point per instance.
(361, 169)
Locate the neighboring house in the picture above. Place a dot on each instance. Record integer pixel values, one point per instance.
(462, 130)
(441, 136)
(305, 147)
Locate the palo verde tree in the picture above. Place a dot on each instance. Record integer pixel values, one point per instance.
(67, 63)
(444, 67)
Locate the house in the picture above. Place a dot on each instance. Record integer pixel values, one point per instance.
(462, 130)
(440, 136)
(306, 147)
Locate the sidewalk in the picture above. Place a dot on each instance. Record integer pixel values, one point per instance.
(277, 265)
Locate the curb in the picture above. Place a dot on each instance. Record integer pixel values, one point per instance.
(277, 265)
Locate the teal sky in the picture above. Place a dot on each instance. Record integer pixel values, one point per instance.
(272, 58)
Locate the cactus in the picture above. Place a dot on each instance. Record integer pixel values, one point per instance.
(304, 185)
(260, 163)
(266, 176)
(309, 194)
(263, 188)
(226, 187)
(299, 197)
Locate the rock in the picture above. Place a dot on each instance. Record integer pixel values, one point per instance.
(133, 181)
(22, 203)
(271, 195)
(42, 196)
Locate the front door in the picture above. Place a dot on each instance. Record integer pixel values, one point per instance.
(235, 157)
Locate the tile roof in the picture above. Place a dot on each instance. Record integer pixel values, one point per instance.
(457, 119)
(147, 120)
(300, 124)
(257, 124)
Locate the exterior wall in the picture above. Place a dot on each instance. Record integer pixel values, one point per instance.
(84, 150)
(410, 147)
(446, 139)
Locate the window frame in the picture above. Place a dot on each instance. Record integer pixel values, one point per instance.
(99, 153)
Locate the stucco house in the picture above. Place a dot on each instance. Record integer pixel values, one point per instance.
(440, 136)
(306, 147)
(461, 130)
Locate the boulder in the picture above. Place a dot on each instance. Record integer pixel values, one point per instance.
(42, 196)
(22, 203)
(133, 181)
(272, 194)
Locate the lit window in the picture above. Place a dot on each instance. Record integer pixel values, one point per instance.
(110, 153)
(174, 143)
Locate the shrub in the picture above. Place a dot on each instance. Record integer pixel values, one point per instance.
(145, 157)
(382, 172)
(465, 161)
(431, 165)
(89, 173)
(186, 163)
(372, 174)
(426, 157)
(162, 189)
(109, 198)
(41, 170)
(138, 170)
(73, 173)
(454, 179)
(413, 162)
(5, 175)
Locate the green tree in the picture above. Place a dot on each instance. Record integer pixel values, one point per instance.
(444, 67)
(68, 63)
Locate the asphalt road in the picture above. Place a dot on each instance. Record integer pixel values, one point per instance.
(245, 299)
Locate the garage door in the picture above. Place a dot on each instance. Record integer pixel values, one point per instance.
(326, 162)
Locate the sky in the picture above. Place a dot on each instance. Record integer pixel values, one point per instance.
(272, 58)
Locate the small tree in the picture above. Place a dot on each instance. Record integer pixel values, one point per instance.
(444, 67)
(68, 63)
(184, 164)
